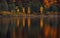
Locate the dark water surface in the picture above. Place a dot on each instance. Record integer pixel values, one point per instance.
(17, 27)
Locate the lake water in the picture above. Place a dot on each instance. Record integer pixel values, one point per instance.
(21, 27)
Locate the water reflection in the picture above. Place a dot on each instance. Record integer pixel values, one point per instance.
(28, 27)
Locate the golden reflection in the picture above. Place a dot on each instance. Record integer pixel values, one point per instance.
(23, 17)
(29, 17)
(18, 21)
(29, 22)
(14, 34)
(39, 36)
(50, 31)
(46, 30)
(53, 32)
(41, 23)
(23, 21)
(41, 18)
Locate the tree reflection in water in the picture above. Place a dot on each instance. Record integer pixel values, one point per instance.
(13, 27)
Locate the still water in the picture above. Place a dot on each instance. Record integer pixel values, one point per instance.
(21, 27)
